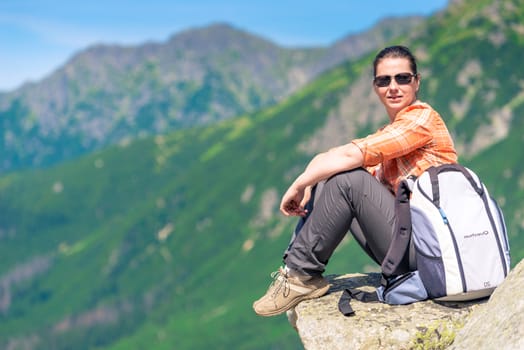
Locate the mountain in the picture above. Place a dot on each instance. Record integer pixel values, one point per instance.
(108, 94)
(164, 242)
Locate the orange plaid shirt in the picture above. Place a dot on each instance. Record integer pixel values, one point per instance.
(416, 140)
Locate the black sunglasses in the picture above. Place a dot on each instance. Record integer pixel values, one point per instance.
(400, 78)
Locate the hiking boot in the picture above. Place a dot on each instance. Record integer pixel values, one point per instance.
(287, 291)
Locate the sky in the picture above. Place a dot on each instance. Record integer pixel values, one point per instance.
(39, 36)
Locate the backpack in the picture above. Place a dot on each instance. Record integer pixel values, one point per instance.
(459, 237)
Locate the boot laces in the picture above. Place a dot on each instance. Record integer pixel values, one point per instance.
(280, 283)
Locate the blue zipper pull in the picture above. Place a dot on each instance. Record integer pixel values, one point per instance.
(444, 217)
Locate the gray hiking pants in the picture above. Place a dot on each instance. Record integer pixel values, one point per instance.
(352, 201)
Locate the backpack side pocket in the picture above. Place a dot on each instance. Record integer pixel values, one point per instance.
(404, 289)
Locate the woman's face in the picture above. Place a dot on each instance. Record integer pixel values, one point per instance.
(395, 96)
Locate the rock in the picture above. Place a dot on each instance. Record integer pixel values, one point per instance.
(320, 324)
(500, 323)
(494, 323)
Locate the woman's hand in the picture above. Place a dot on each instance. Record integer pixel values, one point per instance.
(307, 197)
(294, 201)
(321, 167)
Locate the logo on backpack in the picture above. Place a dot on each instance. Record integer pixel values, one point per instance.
(473, 235)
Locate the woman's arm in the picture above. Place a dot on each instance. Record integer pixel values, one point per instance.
(321, 167)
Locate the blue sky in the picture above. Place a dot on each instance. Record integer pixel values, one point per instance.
(38, 36)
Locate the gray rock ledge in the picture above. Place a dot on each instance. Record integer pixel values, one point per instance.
(494, 323)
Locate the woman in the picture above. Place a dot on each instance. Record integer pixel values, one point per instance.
(361, 178)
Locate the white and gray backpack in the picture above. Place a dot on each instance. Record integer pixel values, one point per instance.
(459, 237)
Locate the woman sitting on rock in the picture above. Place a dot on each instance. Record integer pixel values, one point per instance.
(352, 187)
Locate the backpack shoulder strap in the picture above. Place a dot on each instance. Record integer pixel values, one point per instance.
(402, 232)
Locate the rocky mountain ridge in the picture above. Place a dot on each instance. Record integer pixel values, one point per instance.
(108, 94)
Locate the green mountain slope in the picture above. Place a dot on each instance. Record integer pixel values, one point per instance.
(177, 226)
(163, 243)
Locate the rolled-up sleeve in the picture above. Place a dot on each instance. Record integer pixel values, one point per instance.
(406, 134)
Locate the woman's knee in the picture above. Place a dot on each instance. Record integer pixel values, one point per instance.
(347, 179)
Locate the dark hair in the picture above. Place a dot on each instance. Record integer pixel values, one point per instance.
(397, 51)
